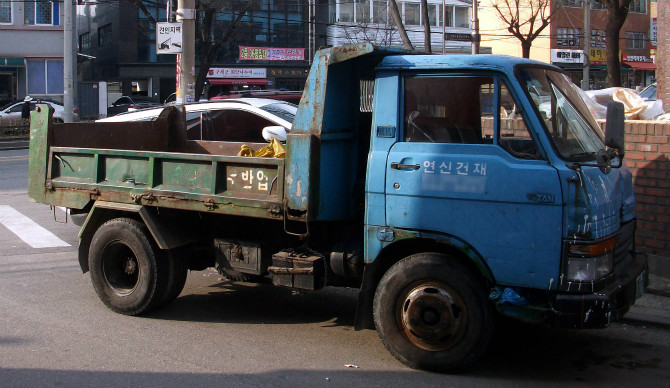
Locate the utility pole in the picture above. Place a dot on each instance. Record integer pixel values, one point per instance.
(68, 64)
(444, 27)
(186, 60)
(476, 38)
(587, 44)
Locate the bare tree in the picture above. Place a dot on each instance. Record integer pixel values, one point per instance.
(426, 26)
(380, 35)
(395, 14)
(525, 19)
(617, 12)
(210, 39)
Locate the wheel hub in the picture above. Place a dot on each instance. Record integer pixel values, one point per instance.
(120, 268)
(432, 316)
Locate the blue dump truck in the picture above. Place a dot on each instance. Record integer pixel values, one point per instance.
(447, 188)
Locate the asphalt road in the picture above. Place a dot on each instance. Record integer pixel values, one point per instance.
(55, 332)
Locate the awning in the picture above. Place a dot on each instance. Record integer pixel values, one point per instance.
(648, 66)
(237, 81)
(14, 62)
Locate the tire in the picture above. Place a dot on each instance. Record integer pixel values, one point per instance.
(177, 273)
(431, 312)
(128, 271)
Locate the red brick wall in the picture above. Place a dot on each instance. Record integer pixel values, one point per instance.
(648, 158)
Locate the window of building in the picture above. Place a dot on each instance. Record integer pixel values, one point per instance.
(597, 5)
(598, 38)
(85, 41)
(380, 12)
(639, 6)
(105, 35)
(462, 16)
(36, 12)
(432, 14)
(362, 11)
(635, 40)
(346, 12)
(570, 3)
(5, 12)
(568, 37)
(45, 77)
(413, 14)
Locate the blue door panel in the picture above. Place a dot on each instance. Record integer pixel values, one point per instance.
(508, 209)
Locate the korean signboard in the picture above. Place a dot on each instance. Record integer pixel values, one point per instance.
(654, 32)
(236, 72)
(169, 38)
(567, 56)
(271, 54)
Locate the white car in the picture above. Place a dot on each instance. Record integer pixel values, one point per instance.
(11, 115)
(253, 120)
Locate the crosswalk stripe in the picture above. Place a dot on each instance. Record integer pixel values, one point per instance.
(28, 230)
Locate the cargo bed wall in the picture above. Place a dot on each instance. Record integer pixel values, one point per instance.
(65, 174)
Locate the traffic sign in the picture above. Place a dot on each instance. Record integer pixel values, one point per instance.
(169, 38)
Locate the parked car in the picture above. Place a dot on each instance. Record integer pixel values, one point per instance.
(127, 103)
(11, 115)
(288, 96)
(649, 93)
(252, 120)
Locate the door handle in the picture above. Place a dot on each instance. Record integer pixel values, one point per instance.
(400, 166)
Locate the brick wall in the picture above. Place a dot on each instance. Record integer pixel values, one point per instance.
(648, 158)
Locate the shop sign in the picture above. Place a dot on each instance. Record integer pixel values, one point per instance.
(567, 56)
(271, 54)
(236, 72)
(635, 58)
(597, 56)
(653, 32)
(287, 72)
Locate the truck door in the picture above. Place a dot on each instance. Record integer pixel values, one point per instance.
(467, 168)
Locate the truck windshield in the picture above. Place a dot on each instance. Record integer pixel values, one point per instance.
(571, 127)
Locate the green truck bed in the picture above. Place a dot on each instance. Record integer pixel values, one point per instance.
(149, 163)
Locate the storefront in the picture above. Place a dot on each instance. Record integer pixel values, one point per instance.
(10, 69)
(641, 71)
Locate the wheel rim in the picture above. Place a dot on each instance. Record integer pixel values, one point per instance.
(431, 315)
(120, 268)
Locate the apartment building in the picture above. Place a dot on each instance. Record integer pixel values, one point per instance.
(31, 49)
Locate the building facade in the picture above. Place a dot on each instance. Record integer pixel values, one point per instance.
(568, 44)
(371, 21)
(31, 50)
(118, 43)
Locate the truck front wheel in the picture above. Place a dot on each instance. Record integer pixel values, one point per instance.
(431, 312)
(128, 272)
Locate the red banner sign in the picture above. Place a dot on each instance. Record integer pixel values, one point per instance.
(271, 54)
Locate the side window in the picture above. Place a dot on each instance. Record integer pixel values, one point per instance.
(513, 135)
(226, 125)
(447, 109)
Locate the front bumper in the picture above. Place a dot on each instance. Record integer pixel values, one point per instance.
(599, 309)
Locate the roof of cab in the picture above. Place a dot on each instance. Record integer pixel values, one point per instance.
(457, 61)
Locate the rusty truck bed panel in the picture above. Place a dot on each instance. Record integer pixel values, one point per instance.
(152, 169)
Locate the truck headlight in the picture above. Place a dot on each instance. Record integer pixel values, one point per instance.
(588, 262)
(586, 269)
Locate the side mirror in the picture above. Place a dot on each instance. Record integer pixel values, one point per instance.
(614, 127)
(276, 131)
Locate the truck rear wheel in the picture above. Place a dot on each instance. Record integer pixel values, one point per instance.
(431, 312)
(128, 271)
